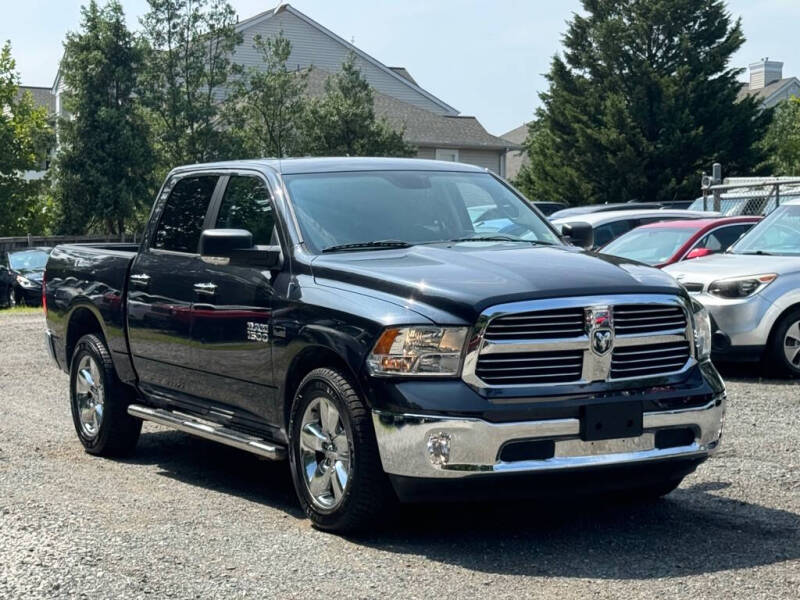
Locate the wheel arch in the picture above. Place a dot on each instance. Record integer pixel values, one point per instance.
(774, 327)
(83, 319)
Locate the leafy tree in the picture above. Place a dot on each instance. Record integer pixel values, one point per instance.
(105, 161)
(24, 138)
(642, 101)
(342, 122)
(268, 103)
(783, 139)
(188, 65)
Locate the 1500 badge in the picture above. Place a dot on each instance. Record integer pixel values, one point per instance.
(257, 332)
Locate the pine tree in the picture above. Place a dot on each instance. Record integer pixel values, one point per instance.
(105, 162)
(24, 138)
(342, 122)
(187, 70)
(643, 100)
(783, 139)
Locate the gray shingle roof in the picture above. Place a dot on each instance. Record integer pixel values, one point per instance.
(42, 96)
(765, 92)
(422, 127)
(403, 72)
(517, 135)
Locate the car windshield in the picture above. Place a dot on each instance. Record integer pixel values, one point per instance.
(732, 207)
(29, 260)
(779, 234)
(652, 246)
(398, 208)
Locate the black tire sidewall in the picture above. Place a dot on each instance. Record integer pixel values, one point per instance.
(87, 346)
(779, 362)
(317, 384)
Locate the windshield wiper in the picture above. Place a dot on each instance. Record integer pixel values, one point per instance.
(376, 245)
(500, 238)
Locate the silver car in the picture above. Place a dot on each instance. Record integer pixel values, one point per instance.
(753, 292)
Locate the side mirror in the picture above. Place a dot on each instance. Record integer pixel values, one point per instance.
(236, 245)
(578, 234)
(698, 252)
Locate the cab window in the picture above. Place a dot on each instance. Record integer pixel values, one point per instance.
(183, 215)
(246, 204)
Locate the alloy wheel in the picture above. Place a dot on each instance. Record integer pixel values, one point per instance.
(325, 453)
(89, 396)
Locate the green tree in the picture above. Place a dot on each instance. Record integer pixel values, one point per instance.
(342, 122)
(642, 101)
(24, 138)
(105, 162)
(783, 139)
(188, 66)
(268, 103)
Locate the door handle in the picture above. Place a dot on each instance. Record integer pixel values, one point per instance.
(140, 279)
(209, 289)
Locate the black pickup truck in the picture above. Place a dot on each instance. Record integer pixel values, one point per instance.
(395, 328)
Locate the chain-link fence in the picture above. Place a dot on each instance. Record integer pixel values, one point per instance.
(747, 195)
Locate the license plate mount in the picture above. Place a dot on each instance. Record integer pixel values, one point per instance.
(608, 421)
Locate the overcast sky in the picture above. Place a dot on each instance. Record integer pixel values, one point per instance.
(484, 57)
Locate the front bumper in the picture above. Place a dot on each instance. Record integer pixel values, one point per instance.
(741, 326)
(475, 445)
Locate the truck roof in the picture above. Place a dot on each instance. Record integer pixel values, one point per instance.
(290, 166)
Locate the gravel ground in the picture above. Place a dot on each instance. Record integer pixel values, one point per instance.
(187, 518)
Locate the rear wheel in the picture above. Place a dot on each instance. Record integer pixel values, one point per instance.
(785, 345)
(99, 401)
(333, 455)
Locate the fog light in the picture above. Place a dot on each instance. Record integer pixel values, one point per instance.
(439, 448)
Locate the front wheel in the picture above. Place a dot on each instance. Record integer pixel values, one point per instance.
(784, 354)
(99, 401)
(333, 455)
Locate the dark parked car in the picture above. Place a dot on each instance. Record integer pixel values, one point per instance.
(21, 274)
(548, 208)
(394, 328)
(596, 208)
(667, 242)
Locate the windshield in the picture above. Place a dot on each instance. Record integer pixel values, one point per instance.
(651, 246)
(413, 207)
(779, 233)
(29, 260)
(733, 207)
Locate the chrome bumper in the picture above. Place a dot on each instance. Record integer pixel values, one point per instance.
(475, 444)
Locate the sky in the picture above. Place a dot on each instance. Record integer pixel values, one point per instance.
(484, 57)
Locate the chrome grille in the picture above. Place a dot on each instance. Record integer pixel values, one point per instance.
(580, 340)
(645, 318)
(531, 367)
(543, 325)
(652, 359)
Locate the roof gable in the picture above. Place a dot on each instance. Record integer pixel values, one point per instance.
(398, 76)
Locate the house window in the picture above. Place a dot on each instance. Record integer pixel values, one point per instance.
(448, 154)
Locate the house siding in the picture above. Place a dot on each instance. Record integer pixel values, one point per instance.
(311, 47)
(487, 159)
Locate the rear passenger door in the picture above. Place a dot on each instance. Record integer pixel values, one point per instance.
(231, 334)
(161, 287)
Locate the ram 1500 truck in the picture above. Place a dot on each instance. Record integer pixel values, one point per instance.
(394, 328)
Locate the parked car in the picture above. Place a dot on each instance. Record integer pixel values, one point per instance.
(348, 316)
(666, 242)
(548, 208)
(677, 204)
(608, 226)
(21, 276)
(753, 292)
(588, 209)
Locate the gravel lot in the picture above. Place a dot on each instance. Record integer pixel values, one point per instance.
(186, 518)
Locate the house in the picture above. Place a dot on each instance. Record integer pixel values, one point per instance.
(432, 125)
(768, 84)
(42, 97)
(517, 157)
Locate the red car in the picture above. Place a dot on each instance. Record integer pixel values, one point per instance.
(666, 242)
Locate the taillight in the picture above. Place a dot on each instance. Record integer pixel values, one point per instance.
(44, 293)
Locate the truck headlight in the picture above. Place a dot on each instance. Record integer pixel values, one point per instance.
(416, 351)
(25, 282)
(702, 331)
(740, 287)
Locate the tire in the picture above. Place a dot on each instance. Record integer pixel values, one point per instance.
(93, 383)
(366, 492)
(11, 299)
(784, 348)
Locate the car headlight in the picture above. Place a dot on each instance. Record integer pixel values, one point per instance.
(740, 287)
(417, 351)
(702, 331)
(25, 282)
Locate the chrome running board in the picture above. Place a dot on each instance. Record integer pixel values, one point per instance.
(209, 431)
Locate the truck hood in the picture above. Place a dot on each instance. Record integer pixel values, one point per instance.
(465, 278)
(723, 266)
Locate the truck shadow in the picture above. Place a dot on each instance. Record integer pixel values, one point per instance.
(696, 529)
